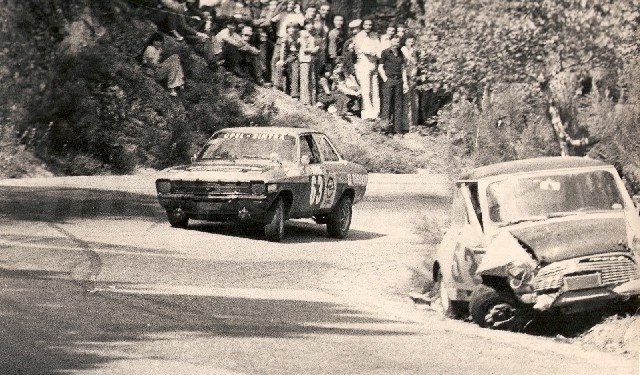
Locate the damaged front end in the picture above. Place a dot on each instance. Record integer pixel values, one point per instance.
(571, 285)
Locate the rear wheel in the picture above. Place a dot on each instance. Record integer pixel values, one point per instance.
(450, 309)
(498, 308)
(339, 220)
(274, 230)
(178, 218)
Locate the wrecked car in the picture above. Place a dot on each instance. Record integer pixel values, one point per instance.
(264, 176)
(547, 234)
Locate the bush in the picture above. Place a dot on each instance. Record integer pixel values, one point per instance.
(512, 125)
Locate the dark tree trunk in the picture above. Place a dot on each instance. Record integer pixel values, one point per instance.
(349, 9)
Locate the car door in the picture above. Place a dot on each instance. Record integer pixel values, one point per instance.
(309, 198)
(468, 243)
(333, 171)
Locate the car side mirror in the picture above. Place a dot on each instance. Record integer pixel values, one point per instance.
(193, 158)
(305, 160)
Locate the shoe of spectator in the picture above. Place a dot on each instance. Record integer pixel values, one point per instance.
(176, 35)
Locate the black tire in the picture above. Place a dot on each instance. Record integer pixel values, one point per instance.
(450, 309)
(339, 220)
(498, 308)
(274, 230)
(177, 218)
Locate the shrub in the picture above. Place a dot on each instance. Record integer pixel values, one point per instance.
(512, 125)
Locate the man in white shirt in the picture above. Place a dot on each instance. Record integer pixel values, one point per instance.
(367, 48)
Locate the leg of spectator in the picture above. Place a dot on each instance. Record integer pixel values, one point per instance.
(341, 101)
(295, 79)
(305, 75)
(375, 94)
(175, 76)
(276, 76)
(398, 121)
(363, 74)
(387, 87)
(313, 86)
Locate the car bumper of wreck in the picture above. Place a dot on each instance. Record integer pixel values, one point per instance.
(584, 284)
(228, 207)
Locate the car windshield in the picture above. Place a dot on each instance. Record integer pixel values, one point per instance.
(529, 198)
(233, 146)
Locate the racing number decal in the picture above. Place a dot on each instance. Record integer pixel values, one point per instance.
(317, 189)
(329, 192)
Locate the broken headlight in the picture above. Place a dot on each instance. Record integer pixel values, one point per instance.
(520, 275)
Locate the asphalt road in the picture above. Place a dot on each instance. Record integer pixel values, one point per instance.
(94, 281)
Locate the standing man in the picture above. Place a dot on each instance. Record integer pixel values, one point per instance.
(394, 84)
(385, 40)
(367, 47)
(335, 40)
(289, 15)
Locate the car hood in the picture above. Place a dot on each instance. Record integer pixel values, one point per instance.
(567, 238)
(223, 171)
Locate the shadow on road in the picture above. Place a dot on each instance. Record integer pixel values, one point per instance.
(295, 232)
(63, 204)
(53, 325)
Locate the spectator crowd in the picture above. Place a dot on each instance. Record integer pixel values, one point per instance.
(301, 48)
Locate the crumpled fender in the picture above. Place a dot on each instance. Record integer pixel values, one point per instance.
(503, 250)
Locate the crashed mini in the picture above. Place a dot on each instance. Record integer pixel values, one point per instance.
(557, 233)
(264, 175)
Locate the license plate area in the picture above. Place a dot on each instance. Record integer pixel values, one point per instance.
(210, 206)
(578, 282)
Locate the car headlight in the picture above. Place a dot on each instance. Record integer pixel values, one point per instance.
(272, 188)
(163, 186)
(258, 188)
(635, 245)
(520, 275)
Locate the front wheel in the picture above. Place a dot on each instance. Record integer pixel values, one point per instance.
(450, 309)
(177, 218)
(498, 309)
(339, 220)
(274, 230)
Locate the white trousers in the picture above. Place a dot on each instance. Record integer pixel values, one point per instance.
(367, 75)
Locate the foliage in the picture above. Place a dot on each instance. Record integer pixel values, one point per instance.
(97, 110)
(512, 125)
(469, 43)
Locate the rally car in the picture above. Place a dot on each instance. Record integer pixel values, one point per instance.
(264, 175)
(528, 236)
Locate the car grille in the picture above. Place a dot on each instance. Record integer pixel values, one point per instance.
(614, 269)
(210, 188)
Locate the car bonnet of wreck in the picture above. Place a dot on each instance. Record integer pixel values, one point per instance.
(537, 234)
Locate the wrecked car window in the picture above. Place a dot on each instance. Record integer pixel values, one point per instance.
(530, 198)
(233, 146)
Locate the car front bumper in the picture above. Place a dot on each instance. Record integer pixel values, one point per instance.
(228, 207)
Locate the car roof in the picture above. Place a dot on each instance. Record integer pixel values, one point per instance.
(531, 165)
(269, 130)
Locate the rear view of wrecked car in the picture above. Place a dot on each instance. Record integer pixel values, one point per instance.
(536, 235)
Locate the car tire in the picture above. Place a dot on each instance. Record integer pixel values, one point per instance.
(177, 218)
(274, 230)
(497, 308)
(450, 309)
(339, 220)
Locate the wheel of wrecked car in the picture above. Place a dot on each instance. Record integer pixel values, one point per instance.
(177, 218)
(450, 309)
(339, 221)
(274, 230)
(497, 308)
